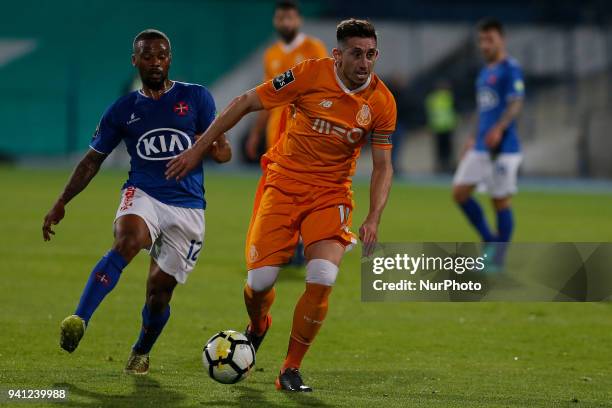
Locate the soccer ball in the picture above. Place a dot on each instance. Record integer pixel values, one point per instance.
(228, 356)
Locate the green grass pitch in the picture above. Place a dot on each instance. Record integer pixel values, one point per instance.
(392, 354)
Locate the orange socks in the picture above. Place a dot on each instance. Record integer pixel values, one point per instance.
(258, 306)
(308, 317)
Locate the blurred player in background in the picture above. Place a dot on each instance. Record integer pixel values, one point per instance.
(340, 105)
(494, 156)
(163, 216)
(292, 48)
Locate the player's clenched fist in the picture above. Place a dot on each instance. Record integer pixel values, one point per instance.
(493, 137)
(221, 151)
(53, 217)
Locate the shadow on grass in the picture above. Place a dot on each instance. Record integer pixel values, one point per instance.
(304, 399)
(252, 397)
(146, 391)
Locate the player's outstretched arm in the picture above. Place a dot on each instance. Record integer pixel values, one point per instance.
(181, 165)
(81, 176)
(380, 186)
(221, 150)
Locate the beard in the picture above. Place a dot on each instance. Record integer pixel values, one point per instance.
(155, 84)
(491, 55)
(288, 35)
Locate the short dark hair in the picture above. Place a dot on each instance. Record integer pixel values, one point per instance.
(287, 5)
(355, 28)
(150, 34)
(490, 23)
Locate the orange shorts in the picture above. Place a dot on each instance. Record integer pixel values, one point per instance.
(285, 208)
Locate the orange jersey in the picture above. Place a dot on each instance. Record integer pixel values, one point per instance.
(280, 57)
(329, 122)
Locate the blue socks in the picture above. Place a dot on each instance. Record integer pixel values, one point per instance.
(505, 225)
(152, 326)
(505, 221)
(474, 214)
(102, 280)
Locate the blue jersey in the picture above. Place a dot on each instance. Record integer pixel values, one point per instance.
(155, 131)
(495, 87)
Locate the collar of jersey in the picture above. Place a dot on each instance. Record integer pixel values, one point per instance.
(348, 91)
(296, 42)
(497, 64)
(168, 90)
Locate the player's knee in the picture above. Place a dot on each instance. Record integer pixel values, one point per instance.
(263, 278)
(128, 246)
(501, 203)
(460, 195)
(321, 271)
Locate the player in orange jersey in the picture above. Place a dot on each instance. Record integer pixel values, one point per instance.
(339, 105)
(292, 48)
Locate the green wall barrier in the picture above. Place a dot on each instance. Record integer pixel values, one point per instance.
(52, 98)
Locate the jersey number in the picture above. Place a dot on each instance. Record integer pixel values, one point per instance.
(194, 250)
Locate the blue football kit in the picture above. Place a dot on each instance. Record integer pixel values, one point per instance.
(154, 132)
(496, 86)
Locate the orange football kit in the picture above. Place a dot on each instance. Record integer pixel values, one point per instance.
(305, 187)
(279, 58)
(306, 184)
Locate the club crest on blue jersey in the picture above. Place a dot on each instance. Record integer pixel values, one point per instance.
(181, 108)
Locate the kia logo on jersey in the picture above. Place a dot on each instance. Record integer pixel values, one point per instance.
(162, 144)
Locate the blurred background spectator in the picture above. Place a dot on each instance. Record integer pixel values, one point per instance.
(441, 119)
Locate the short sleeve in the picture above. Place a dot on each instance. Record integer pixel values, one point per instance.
(515, 86)
(107, 135)
(287, 87)
(207, 110)
(384, 127)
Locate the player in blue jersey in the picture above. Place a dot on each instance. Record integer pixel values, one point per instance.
(493, 157)
(166, 217)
